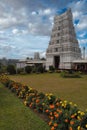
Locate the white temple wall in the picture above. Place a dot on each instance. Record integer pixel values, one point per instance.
(49, 62)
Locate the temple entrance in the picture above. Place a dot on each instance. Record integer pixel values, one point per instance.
(56, 61)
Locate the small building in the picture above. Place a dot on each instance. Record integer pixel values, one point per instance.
(80, 65)
(23, 63)
(31, 62)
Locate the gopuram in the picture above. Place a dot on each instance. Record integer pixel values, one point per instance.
(63, 47)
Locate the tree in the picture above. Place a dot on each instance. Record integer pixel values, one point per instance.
(11, 69)
(28, 69)
(3, 69)
(40, 69)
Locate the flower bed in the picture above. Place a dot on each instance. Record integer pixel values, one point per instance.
(62, 115)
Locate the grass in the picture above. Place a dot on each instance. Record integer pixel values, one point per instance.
(71, 89)
(15, 116)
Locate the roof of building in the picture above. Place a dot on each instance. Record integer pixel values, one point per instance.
(80, 61)
(35, 61)
(32, 61)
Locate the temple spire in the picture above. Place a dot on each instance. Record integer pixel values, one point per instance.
(63, 47)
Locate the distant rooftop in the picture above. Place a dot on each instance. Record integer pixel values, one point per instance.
(80, 61)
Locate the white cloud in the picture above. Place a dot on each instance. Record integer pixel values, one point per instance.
(18, 32)
(15, 31)
(1, 32)
(25, 32)
(51, 18)
(47, 11)
(8, 22)
(34, 13)
(39, 29)
(82, 25)
(43, 54)
(82, 34)
(82, 41)
(76, 14)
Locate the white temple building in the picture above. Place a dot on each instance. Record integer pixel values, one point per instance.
(63, 47)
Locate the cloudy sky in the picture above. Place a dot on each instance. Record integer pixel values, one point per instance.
(25, 25)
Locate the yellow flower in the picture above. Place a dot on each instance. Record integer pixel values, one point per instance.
(75, 105)
(79, 128)
(82, 113)
(49, 97)
(65, 101)
(78, 117)
(70, 103)
(86, 125)
(61, 102)
(43, 104)
(50, 94)
(46, 94)
(30, 88)
(79, 112)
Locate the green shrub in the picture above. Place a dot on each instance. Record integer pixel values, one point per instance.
(38, 69)
(70, 74)
(28, 69)
(51, 69)
(20, 70)
(11, 69)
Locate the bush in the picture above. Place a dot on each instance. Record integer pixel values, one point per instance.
(51, 68)
(70, 74)
(20, 70)
(40, 69)
(11, 69)
(28, 69)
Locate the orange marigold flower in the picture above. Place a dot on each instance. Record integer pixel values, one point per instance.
(50, 123)
(37, 101)
(57, 104)
(56, 115)
(51, 117)
(55, 124)
(52, 106)
(72, 116)
(66, 120)
(47, 111)
(51, 113)
(72, 122)
(52, 128)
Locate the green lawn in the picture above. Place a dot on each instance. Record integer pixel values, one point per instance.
(71, 89)
(14, 115)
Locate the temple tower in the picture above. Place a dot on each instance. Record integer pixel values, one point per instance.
(63, 47)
